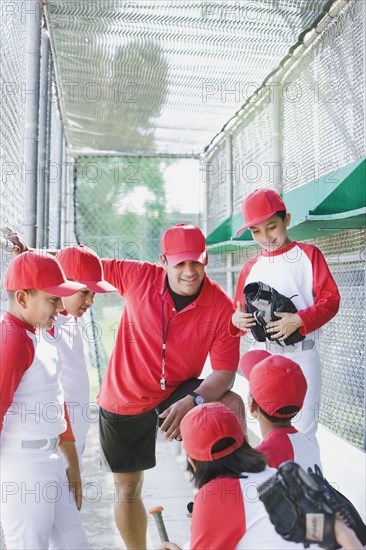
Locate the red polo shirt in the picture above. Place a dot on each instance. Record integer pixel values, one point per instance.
(132, 381)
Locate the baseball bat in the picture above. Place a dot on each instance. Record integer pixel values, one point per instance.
(158, 516)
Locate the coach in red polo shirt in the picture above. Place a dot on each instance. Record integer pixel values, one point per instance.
(174, 317)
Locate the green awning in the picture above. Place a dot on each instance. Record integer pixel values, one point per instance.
(333, 203)
(317, 226)
(226, 231)
(334, 193)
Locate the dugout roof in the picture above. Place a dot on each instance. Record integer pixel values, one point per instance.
(162, 77)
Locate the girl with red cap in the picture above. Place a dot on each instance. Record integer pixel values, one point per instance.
(227, 513)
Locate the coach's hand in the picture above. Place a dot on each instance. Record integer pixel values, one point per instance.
(13, 237)
(173, 416)
(169, 546)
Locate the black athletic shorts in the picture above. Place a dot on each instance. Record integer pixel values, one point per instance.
(128, 442)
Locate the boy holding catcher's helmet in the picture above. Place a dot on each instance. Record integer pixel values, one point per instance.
(298, 272)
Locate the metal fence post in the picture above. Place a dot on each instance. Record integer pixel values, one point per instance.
(42, 140)
(60, 184)
(277, 137)
(31, 125)
(229, 175)
(64, 183)
(205, 175)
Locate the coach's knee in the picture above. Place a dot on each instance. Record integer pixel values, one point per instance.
(234, 402)
(128, 487)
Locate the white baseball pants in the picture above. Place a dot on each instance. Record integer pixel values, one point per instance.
(37, 508)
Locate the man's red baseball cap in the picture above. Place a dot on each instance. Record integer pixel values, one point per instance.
(184, 242)
(259, 206)
(276, 382)
(207, 424)
(83, 265)
(39, 271)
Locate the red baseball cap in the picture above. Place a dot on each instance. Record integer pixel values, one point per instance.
(277, 382)
(207, 424)
(39, 271)
(259, 206)
(250, 359)
(184, 242)
(83, 265)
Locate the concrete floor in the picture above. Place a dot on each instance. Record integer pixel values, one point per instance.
(165, 485)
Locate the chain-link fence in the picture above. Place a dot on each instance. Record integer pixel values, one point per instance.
(122, 208)
(252, 151)
(322, 129)
(323, 121)
(12, 120)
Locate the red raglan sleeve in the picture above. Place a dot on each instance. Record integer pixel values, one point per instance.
(16, 356)
(68, 434)
(277, 449)
(218, 519)
(325, 291)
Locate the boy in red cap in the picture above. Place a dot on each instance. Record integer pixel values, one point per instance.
(277, 388)
(33, 417)
(295, 270)
(80, 264)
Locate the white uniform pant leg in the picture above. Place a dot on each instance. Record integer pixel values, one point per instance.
(67, 531)
(307, 419)
(30, 489)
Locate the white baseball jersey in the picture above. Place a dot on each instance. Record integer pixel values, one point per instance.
(36, 508)
(300, 272)
(228, 514)
(32, 400)
(73, 374)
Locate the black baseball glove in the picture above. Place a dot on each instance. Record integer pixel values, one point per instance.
(262, 301)
(302, 507)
